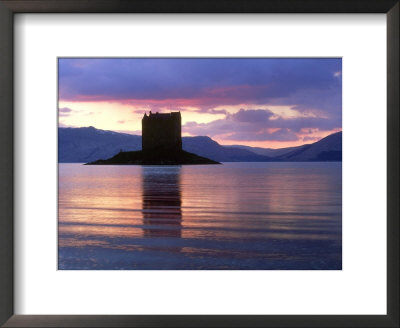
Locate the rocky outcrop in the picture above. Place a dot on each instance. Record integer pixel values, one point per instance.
(160, 157)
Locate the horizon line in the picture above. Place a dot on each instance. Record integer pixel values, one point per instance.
(139, 135)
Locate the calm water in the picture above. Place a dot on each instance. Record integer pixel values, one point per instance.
(279, 216)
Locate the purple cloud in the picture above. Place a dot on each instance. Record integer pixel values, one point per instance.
(308, 138)
(279, 135)
(260, 125)
(252, 116)
(206, 83)
(64, 112)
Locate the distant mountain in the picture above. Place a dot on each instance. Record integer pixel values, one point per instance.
(268, 151)
(326, 149)
(206, 147)
(83, 145)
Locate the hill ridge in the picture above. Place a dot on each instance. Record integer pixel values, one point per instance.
(88, 144)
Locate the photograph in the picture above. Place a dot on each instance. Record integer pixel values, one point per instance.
(199, 163)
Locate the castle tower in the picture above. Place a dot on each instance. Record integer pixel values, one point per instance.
(162, 131)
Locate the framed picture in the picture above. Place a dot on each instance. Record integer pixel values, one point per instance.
(117, 116)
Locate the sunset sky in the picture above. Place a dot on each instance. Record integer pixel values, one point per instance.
(266, 102)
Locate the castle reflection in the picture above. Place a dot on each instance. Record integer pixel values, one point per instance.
(162, 215)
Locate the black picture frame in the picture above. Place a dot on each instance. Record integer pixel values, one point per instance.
(10, 7)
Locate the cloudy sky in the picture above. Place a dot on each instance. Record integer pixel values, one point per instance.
(257, 102)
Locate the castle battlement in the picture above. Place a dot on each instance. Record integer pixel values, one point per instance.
(162, 131)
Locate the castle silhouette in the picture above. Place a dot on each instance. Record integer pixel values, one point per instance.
(161, 144)
(162, 131)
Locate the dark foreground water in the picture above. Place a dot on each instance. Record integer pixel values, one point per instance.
(280, 216)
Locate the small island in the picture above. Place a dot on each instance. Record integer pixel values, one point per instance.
(161, 145)
(150, 158)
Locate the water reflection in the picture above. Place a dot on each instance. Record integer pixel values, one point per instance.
(162, 215)
(251, 216)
